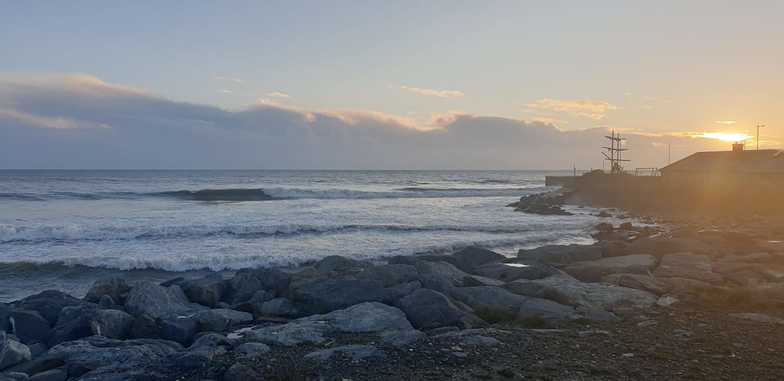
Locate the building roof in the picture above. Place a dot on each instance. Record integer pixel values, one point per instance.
(752, 161)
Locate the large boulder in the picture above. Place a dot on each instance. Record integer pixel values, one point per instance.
(508, 272)
(500, 299)
(370, 317)
(569, 291)
(643, 282)
(48, 303)
(390, 274)
(325, 295)
(559, 254)
(246, 282)
(278, 307)
(113, 324)
(593, 271)
(114, 287)
(30, 327)
(207, 291)
(438, 275)
(147, 298)
(220, 319)
(472, 257)
(58, 374)
(73, 323)
(5, 313)
(12, 352)
(109, 355)
(689, 266)
(181, 329)
(427, 309)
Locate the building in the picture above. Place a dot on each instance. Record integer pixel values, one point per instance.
(738, 163)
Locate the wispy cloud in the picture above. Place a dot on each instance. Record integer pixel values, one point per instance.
(278, 94)
(225, 91)
(228, 79)
(591, 109)
(726, 122)
(434, 92)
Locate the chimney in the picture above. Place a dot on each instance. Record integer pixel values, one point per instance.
(737, 147)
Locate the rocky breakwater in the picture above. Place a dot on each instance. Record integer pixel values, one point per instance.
(547, 203)
(336, 308)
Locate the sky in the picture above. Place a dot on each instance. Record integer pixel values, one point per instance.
(349, 84)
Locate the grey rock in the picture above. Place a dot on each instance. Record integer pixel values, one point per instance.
(106, 301)
(115, 288)
(36, 349)
(144, 327)
(113, 324)
(48, 303)
(481, 341)
(246, 282)
(593, 271)
(689, 266)
(278, 307)
(440, 276)
(96, 352)
(58, 374)
(14, 376)
(390, 274)
(361, 318)
(427, 309)
(253, 304)
(74, 322)
(12, 352)
(219, 320)
(476, 280)
(178, 329)
(569, 291)
(5, 313)
(206, 291)
(158, 301)
(354, 352)
(508, 272)
(252, 349)
(30, 326)
(242, 372)
(327, 295)
(525, 307)
(558, 254)
(398, 291)
(203, 350)
(643, 282)
(472, 257)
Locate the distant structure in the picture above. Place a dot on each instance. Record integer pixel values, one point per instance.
(613, 153)
(738, 164)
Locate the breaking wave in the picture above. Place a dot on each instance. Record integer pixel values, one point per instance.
(269, 194)
(12, 234)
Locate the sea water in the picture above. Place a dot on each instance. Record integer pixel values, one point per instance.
(63, 229)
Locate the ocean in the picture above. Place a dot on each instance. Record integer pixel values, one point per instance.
(63, 229)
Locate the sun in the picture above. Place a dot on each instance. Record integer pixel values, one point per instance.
(726, 136)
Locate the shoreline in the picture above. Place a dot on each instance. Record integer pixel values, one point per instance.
(623, 307)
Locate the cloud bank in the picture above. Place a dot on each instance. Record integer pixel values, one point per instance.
(83, 122)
